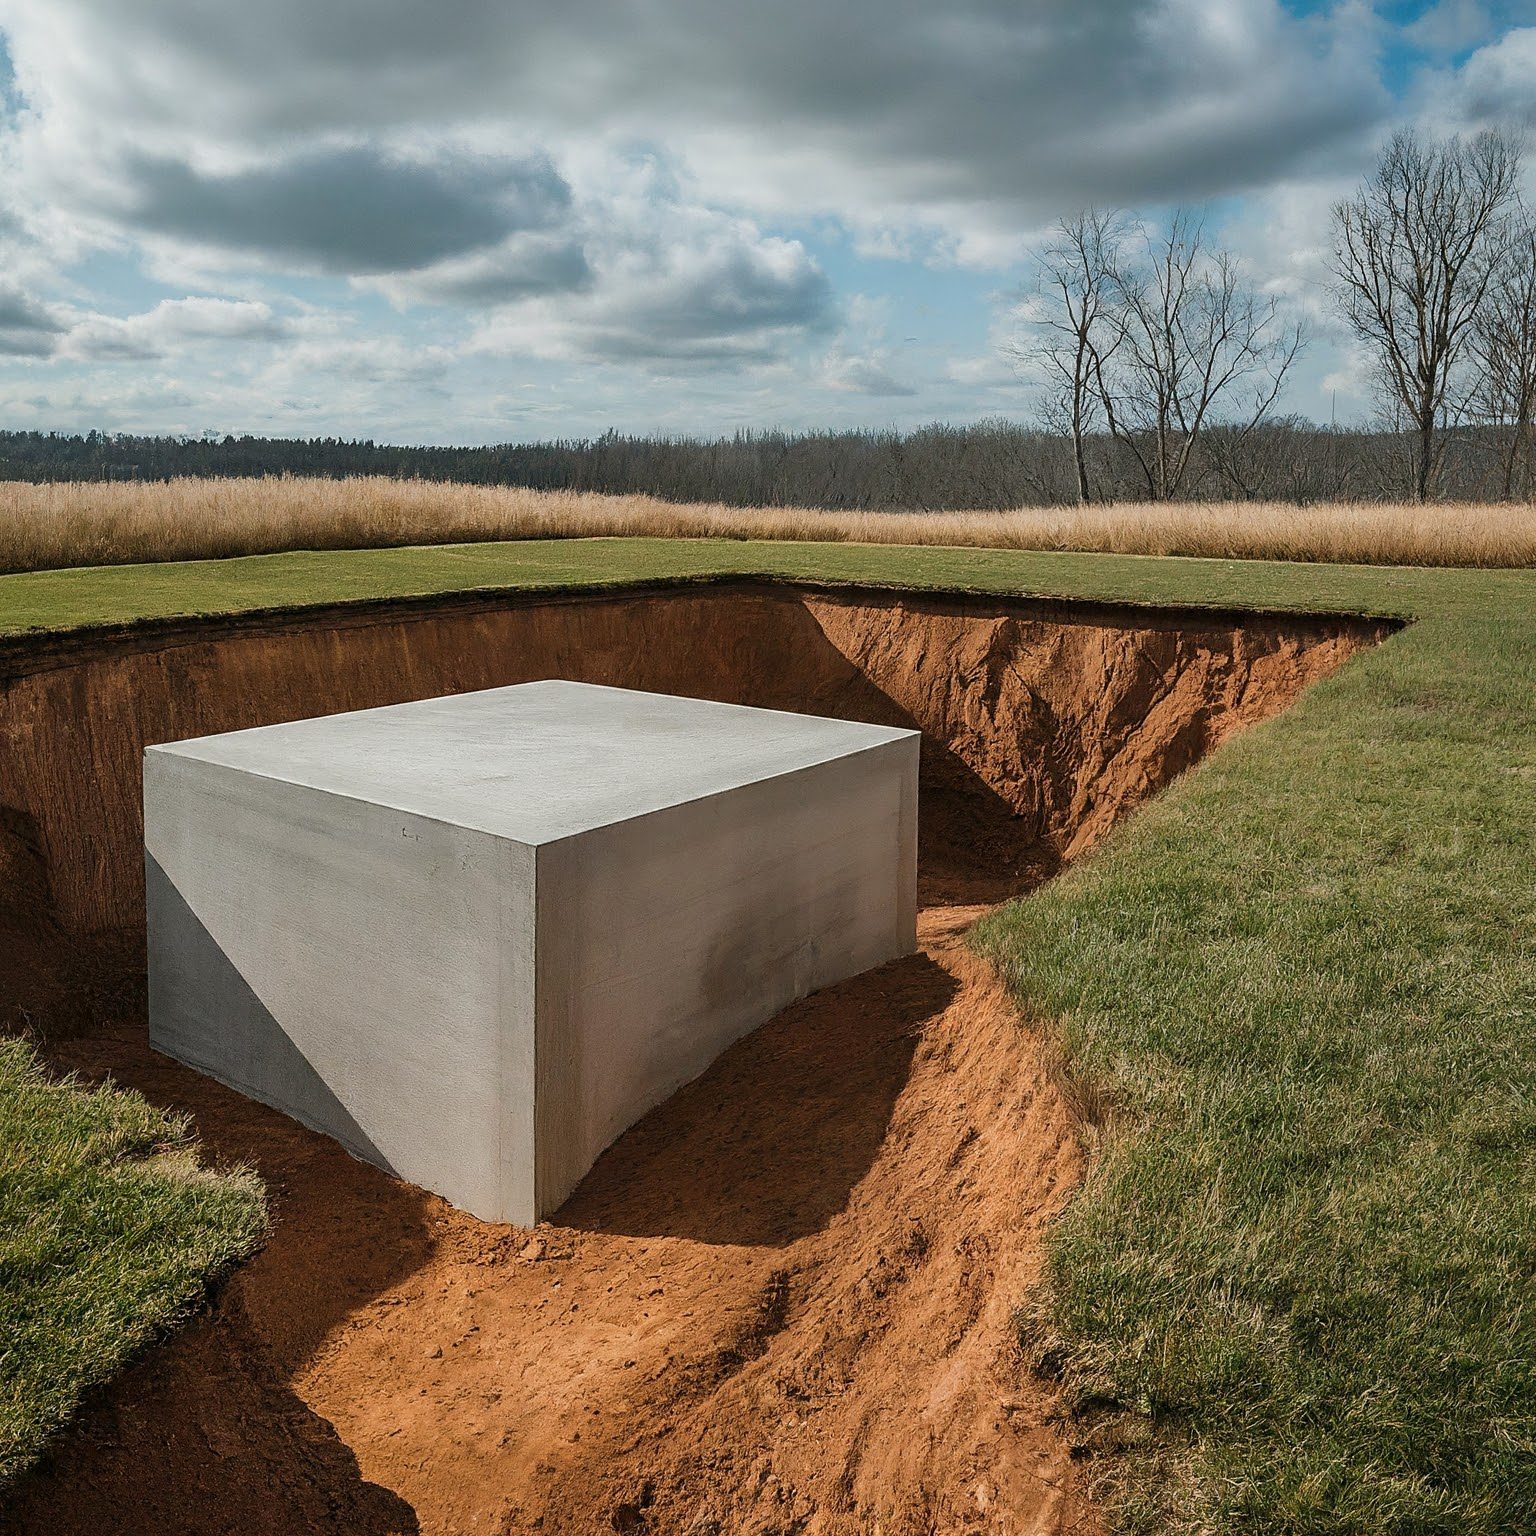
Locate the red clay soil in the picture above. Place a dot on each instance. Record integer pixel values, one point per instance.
(1041, 725)
(781, 1302)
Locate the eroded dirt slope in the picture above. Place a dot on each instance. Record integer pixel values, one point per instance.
(781, 1302)
(1039, 730)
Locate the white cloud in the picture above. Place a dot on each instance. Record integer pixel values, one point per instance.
(349, 208)
(861, 360)
(1448, 26)
(172, 325)
(360, 359)
(870, 374)
(1494, 86)
(672, 284)
(28, 328)
(515, 268)
(987, 370)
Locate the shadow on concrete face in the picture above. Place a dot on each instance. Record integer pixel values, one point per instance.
(245, 1030)
(767, 1145)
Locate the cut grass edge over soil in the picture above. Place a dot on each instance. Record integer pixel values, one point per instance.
(1302, 990)
(1301, 986)
(125, 596)
(110, 1232)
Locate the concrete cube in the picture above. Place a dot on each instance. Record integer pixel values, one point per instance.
(473, 938)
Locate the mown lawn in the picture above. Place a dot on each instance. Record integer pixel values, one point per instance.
(1304, 980)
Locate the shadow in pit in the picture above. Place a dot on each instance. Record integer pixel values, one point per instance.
(202, 1437)
(975, 845)
(204, 1433)
(767, 1145)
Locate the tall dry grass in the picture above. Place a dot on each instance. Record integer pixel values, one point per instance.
(48, 526)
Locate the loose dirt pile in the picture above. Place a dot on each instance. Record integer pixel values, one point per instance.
(781, 1302)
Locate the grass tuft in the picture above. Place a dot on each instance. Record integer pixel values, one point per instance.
(109, 1233)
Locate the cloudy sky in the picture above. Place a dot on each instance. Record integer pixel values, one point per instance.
(489, 220)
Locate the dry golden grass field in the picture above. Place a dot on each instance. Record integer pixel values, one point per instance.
(54, 525)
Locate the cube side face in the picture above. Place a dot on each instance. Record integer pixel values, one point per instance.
(368, 972)
(665, 939)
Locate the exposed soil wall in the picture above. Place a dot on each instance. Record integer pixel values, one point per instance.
(1040, 727)
(781, 1302)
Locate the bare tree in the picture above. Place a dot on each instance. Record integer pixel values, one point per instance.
(1193, 344)
(1080, 324)
(1415, 251)
(1504, 347)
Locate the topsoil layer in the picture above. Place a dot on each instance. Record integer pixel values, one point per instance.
(782, 1301)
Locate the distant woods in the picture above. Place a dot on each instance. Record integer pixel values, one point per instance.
(993, 465)
(1157, 366)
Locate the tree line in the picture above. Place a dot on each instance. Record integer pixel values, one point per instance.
(940, 468)
(1158, 364)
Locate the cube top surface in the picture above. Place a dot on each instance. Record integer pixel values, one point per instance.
(537, 762)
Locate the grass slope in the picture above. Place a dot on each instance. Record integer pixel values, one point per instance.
(1305, 978)
(1306, 982)
(109, 1232)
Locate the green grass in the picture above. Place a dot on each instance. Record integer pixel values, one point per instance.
(110, 596)
(109, 1232)
(1305, 978)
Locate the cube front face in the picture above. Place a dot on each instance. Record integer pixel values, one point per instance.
(356, 967)
(482, 1015)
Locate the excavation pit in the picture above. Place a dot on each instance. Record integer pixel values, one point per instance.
(850, 1202)
(1043, 722)
(473, 938)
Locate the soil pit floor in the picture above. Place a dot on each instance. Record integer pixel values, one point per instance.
(780, 1303)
